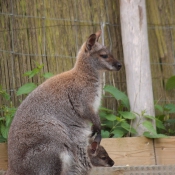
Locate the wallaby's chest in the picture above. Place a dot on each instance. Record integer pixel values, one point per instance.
(97, 98)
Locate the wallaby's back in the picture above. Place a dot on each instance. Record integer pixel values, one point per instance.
(52, 125)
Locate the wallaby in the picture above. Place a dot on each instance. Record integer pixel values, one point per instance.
(100, 157)
(50, 131)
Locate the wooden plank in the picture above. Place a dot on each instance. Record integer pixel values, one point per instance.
(130, 150)
(165, 151)
(106, 171)
(135, 170)
(3, 157)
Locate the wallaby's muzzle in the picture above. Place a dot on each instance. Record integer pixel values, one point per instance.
(110, 162)
(117, 65)
(114, 65)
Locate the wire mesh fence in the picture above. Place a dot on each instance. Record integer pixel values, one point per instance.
(51, 32)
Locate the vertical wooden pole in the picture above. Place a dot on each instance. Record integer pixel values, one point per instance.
(136, 59)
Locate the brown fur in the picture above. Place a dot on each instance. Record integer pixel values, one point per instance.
(50, 131)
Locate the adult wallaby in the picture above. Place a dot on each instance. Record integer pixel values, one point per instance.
(50, 131)
(100, 157)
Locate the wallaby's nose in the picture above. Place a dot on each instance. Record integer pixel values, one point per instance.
(111, 162)
(119, 66)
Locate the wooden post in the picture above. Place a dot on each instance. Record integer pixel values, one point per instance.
(136, 59)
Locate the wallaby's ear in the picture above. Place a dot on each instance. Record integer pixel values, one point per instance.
(98, 34)
(91, 41)
(94, 147)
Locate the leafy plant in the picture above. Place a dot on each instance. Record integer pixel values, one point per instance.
(167, 111)
(6, 116)
(29, 87)
(119, 123)
(165, 117)
(35, 71)
(170, 83)
(116, 124)
(4, 94)
(151, 131)
(7, 112)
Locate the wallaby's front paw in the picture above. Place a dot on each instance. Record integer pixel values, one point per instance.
(93, 133)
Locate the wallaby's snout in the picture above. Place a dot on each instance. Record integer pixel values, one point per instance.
(117, 65)
(110, 162)
(110, 63)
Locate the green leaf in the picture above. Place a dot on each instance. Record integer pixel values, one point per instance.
(149, 117)
(106, 109)
(149, 126)
(127, 115)
(170, 108)
(118, 95)
(2, 118)
(4, 130)
(118, 133)
(158, 107)
(160, 117)
(170, 84)
(4, 93)
(109, 124)
(39, 66)
(26, 89)
(27, 73)
(34, 72)
(103, 124)
(172, 121)
(6, 96)
(154, 136)
(2, 139)
(105, 134)
(159, 124)
(119, 119)
(102, 114)
(47, 75)
(8, 120)
(111, 117)
(127, 127)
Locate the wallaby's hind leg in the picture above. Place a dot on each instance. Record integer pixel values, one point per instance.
(43, 160)
(49, 164)
(37, 147)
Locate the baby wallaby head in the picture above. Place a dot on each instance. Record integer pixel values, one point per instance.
(98, 55)
(99, 157)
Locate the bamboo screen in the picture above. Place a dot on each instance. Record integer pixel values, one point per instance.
(50, 32)
(161, 32)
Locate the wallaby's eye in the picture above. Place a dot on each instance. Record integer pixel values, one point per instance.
(104, 56)
(104, 158)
